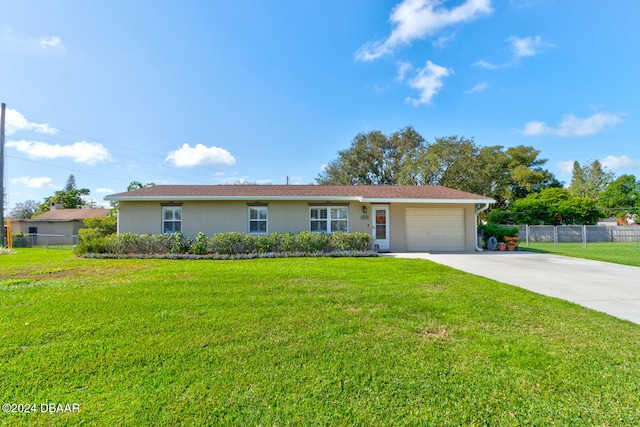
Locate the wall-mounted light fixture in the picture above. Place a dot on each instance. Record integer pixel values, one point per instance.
(364, 209)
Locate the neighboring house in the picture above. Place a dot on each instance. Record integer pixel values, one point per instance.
(58, 225)
(401, 218)
(609, 222)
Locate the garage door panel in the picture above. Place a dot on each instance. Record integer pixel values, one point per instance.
(435, 229)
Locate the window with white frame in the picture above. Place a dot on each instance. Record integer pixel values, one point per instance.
(328, 219)
(258, 219)
(171, 219)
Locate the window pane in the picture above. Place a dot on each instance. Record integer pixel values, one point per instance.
(315, 214)
(257, 220)
(172, 220)
(172, 227)
(319, 226)
(339, 213)
(381, 224)
(338, 225)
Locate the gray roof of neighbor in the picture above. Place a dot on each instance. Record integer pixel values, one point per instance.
(69, 215)
(363, 193)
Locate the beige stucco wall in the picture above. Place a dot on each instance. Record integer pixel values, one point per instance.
(52, 233)
(283, 216)
(219, 217)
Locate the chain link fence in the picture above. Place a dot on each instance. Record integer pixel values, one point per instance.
(48, 241)
(578, 233)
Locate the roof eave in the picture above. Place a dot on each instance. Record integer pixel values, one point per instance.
(418, 200)
(296, 198)
(229, 198)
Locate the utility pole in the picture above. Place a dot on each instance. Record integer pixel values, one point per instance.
(2, 112)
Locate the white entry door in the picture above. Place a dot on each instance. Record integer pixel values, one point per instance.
(381, 226)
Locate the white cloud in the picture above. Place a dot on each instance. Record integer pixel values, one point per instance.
(403, 69)
(572, 126)
(103, 190)
(33, 182)
(429, 82)
(53, 42)
(480, 87)
(89, 153)
(14, 122)
(187, 156)
(12, 41)
(487, 65)
(521, 47)
(419, 19)
(565, 166)
(527, 46)
(619, 162)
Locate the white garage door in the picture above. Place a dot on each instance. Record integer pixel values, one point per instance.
(435, 229)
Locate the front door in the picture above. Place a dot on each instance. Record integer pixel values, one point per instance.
(381, 226)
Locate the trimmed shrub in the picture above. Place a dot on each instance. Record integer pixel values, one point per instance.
(200, 246)
(93, 237)
(500, 216)
(310, 242)
(225, 244)
(497, 231)
(342, 241)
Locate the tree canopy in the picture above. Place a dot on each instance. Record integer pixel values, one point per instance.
(406, 158)
(71, 197)
(136, 185)
(621, 196)
(590, 180)
(554, 206)
(24, 210)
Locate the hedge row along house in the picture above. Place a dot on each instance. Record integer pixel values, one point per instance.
(400, 218)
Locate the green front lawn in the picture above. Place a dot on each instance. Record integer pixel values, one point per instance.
(306, 341)
(617, 252)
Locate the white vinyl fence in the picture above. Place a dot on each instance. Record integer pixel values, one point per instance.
(578, 233)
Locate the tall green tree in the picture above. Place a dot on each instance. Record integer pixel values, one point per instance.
(526, 173)
(372, 159)
(589, 180)
(448, 161)
(621, 196)
(24, 210)
(555, 206)
(71, 184)
(405, 158)
(70, 196)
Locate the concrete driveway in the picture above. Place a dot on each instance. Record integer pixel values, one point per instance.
(602, 286)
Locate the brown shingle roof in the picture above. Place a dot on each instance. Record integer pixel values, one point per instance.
(301, 192)
(70, 214)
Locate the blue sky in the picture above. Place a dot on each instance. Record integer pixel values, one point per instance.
(217, 92)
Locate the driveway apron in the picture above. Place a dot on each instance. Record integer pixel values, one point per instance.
(610, 288)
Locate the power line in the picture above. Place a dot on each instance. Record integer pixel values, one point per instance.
(136, 159)
(94, 174)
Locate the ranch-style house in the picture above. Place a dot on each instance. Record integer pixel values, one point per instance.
(400, 218)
